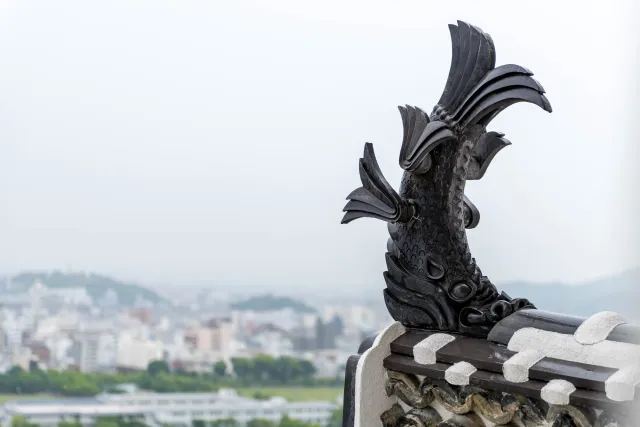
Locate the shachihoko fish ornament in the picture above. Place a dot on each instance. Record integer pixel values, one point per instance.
(432, 280)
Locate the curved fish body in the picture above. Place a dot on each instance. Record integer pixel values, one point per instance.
(432, 280)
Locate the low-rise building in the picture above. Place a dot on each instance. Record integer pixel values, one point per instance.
(156, 409)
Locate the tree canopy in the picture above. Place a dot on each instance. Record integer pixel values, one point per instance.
(261, 371)
(95, 284)
(272, 303)
(158, 366)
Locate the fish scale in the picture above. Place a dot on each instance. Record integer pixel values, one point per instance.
(433, 281)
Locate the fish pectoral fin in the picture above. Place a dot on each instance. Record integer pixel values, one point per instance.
(376, 198)
(471, 214)
(488, 145)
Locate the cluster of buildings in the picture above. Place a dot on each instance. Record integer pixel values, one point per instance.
(67, 329)
(156, 410)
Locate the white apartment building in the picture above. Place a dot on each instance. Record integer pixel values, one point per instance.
(156, 409)
(89, 346)
(353, 316)
(329, 363)
(13, 328)
(20, 357)
(60, 345)
(136, 352)
(97, 346)
(274, 342)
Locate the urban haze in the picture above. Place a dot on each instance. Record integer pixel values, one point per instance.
(173, 174)
(213, 143)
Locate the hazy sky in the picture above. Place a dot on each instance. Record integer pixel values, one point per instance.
(175, 142)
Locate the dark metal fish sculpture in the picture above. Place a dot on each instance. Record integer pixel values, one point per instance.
(432, 280)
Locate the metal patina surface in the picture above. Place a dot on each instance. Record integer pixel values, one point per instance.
(469, 355)
(432, 280)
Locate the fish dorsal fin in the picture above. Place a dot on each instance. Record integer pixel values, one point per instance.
(421, 136)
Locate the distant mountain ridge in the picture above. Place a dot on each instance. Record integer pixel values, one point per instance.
(620, 293)
(272, 303)
(95, 284)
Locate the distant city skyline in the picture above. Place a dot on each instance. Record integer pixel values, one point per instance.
(185, 143)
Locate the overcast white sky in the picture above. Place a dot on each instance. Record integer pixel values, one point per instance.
(180, 142)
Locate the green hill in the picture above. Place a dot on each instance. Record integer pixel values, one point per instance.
(272, 303)
(95, 284)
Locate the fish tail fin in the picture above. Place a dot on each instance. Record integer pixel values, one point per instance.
(476, 91)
